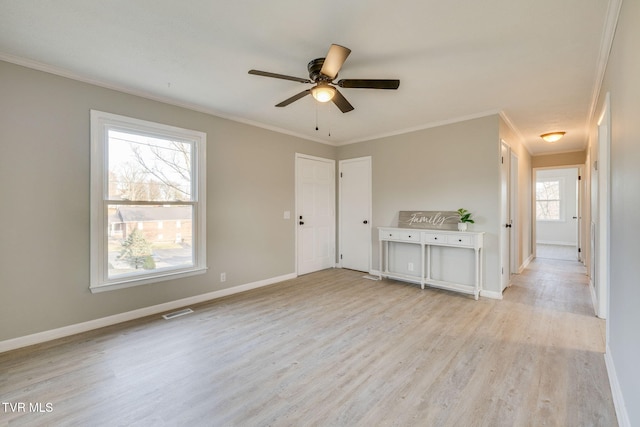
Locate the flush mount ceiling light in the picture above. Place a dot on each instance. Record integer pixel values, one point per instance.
(552, 136)
(323, 92)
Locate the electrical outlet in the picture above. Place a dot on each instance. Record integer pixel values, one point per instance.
(410, 266)
(223, 277)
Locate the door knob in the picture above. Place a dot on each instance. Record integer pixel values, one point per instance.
(301, 223)
(365, 222)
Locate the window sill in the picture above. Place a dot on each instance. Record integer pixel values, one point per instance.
(132, 282)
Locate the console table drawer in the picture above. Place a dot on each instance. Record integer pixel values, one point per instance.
(460, 240)
(406, 236)
(435, 238)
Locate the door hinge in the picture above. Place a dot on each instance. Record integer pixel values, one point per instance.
(502, 159)
(502, 270)
(340, 174)
(340, 256)
(579, 178)
(579, 250)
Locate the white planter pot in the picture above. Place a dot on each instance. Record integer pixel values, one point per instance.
(462, 226)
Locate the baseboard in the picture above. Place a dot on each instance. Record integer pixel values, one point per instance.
(555, 242)
(525, 264)
(40, 337)
(483, 293)
(594, 298)
(616, 392)
(491, 294)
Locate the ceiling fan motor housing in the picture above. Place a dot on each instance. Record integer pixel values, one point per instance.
(314, 68)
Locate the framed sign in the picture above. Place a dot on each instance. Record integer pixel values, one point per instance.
(438, 220)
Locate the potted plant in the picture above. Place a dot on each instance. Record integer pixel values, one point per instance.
(465, 218)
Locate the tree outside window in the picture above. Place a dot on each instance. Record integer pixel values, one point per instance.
(548, 197)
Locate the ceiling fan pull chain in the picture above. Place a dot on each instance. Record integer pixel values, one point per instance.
(316, 115)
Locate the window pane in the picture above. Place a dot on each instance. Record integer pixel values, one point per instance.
(548, 190)
(135, 250)
(145, 168)
(548, 210)
(548, 200)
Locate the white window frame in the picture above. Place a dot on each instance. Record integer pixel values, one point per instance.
(561, 199)
(101, 123)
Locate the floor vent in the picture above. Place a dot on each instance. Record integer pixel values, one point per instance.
(178, 313)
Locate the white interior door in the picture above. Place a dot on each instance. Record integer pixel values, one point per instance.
(505, 227)
(315, 213)
(355, 214)
(514, 215)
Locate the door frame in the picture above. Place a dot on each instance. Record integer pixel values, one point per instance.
(370, 208)
(514, 213)
(505, 216)
(331, 162)
(604, 210)
(579, 205)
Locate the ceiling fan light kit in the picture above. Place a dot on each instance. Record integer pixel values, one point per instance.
(552, 136)
(323, 92)
(322, 73)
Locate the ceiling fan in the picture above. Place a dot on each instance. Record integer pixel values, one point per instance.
(322, 73)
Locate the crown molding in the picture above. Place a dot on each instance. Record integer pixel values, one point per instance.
(61, 72)
(606, 42)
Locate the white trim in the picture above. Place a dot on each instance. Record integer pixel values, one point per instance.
(41, 337)
(483, 292)
(616, 391)
(555, 242)
(100, 123)
(425, 126)
(46, 68)
(604, 209)
(513, 127)
(491, 294)
(526, 263)
(606, 42)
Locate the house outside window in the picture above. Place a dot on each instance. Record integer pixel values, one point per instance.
(145, 177)
(549, 199)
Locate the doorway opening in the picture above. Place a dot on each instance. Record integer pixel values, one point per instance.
(557, 198)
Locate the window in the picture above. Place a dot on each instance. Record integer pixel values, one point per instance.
(142, 175)
(548, 199)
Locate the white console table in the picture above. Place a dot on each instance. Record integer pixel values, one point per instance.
(426, 239)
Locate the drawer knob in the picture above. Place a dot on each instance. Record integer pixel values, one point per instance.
(459, 240)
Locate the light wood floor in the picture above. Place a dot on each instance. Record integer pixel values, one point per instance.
(334, 349)
(559, 252)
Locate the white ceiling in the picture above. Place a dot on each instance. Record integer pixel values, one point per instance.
(536, 61)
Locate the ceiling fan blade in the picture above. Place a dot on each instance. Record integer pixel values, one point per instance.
(294, 98)
(341, 102)
(279, 76)
(369, 84)
(333, 62)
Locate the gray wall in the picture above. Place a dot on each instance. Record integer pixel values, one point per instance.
(44, 183)
(44, 186)
(441, 168)
(622, 80)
